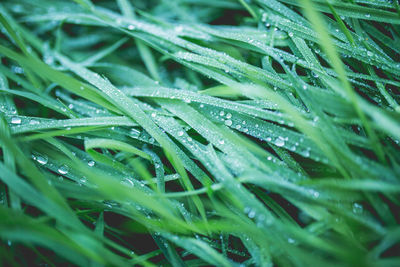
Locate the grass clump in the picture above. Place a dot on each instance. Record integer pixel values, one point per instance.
(194, 133)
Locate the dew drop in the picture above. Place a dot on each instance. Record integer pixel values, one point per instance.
(180, 133)
(279, 142)
(63, 169)
(222, 113)
(357, 208)
(42, 160)
(313, 193)
(131, 27)
(153, 114)
(252, 214)
(306, 153)
(229, 115)
(221, 141)
(264, 17)
(15, 120)
(91, 163)
(127, 182)
(228, 122)
(134, 132)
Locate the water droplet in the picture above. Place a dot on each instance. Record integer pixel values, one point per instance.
(153, 114)
(222, 113)
(306, 153)
(42, 160)
(63, 169)
(313, 193)
(264, 17)
(15, 120)
(229, 115)
(228, 122)
(131, 27)
(178, 29)
(238, 126)
(91, 163)
(127, 182)
(357, 208)
(279, 142)
(367, 15)
(221, 141)
(291, 34)
(180, 133)
(134, 132)
(252, 214)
